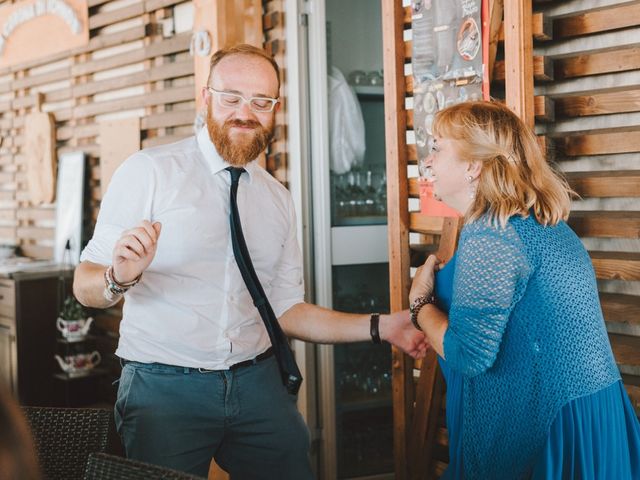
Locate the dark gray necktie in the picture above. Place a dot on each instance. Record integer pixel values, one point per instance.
(289, 371)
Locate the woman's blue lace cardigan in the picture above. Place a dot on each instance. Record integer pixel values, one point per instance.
(526, 330)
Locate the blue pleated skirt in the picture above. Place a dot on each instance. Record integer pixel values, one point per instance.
(594, 437)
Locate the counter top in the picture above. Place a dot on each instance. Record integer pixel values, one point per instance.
(17, 268)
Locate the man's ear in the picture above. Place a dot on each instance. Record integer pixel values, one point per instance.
(474, 168)
(205, 96)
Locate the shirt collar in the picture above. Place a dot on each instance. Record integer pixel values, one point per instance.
(213, 159)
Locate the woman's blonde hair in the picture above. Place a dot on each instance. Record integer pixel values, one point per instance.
(515, 178)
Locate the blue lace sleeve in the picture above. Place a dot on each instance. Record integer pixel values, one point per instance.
(491, 275)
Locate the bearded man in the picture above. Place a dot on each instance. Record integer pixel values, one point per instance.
(199, 377)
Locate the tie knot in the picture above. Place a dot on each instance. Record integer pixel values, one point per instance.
(235, 173)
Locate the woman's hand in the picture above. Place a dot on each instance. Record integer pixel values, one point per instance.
(424, 280)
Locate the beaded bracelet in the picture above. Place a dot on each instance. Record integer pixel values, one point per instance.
(115, 288)
(417, 305)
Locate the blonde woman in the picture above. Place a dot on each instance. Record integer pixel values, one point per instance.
(533, 390)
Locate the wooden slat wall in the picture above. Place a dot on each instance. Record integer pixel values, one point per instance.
(131, 67)
(155, 80)
(596, 141)
(274, 30)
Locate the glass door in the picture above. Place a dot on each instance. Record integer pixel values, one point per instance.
(350, 250)
(362, 378)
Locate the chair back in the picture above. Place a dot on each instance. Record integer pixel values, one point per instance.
(64, 438)
(427, 451)
(102, 466)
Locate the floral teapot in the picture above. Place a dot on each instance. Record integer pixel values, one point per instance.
(80, 363)
(74, 330)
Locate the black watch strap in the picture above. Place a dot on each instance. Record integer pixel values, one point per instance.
(374, 329)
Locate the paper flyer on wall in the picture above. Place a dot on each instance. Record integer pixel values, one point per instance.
(447, 64)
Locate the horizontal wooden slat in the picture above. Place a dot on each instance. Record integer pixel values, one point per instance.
(605, 19)
(543, 69)
(412, 154)
(600, 143)
(597, 63)
(543, 106)
(41, 79)
(168, 119)
(414, 188)
(599, 104)
(605, 184)
(37, 233)
(626, 349)
(115, 16)
(159, 97)
(541, 28)
(406, 18)
(77, 132)
(177, 43)
(425, 224)
(35, 214)
(620, 308)
(37, 251)
(116, 38)
(165, 139)
(151, 5)
(616, 265)
(161, 72)
(611, 224)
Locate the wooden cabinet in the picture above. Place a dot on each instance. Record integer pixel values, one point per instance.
(29, 304)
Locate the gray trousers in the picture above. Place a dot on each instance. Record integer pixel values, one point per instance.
(244, 418)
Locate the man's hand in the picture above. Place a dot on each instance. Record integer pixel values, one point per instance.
(398, 330)
(135, 250)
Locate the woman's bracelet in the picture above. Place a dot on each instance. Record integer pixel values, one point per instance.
(417, 305)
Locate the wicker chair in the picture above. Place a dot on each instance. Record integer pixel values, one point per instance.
(65, 437)
(102, 466)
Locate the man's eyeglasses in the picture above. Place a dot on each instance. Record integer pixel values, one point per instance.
(234, 100)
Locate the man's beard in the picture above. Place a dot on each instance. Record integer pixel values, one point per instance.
(245, 147)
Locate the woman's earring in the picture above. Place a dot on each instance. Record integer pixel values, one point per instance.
(472, 187)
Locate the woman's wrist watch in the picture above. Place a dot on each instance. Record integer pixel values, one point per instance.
(417, 305)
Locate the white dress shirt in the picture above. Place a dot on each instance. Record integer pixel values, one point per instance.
(191, 307)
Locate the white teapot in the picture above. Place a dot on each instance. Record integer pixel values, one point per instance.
(74, 330)
(80, 363)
